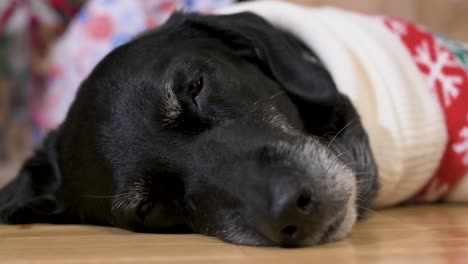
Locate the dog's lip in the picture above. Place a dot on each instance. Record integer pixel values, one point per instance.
(312, 240)
(316, 238)
(331, 229)
(256, 238)
(259, 240)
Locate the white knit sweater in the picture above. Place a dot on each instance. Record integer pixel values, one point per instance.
(403, 118)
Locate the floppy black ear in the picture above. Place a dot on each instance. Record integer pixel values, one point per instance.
(281, 54)
(32, 195)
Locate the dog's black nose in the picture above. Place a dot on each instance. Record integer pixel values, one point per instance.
(294, 214)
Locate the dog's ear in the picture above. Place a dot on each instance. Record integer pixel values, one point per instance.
(296, 68)
(32, 195)
(280, 54)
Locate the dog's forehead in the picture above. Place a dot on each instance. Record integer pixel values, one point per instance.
(178, 54)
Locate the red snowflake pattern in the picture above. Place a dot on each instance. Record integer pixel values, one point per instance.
(445, 76)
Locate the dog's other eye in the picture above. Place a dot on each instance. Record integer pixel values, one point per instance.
(144, 209)
(194, 89)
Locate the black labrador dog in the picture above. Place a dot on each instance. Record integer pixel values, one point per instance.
(220, 125)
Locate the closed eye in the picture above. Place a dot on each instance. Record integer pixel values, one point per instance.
(170, 106)
(194, 89)
(144, 209)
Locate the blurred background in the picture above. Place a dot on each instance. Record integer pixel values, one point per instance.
(47, 47)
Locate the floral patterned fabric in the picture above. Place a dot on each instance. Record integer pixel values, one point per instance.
(101, 26)
(37, 85)
(27, 28)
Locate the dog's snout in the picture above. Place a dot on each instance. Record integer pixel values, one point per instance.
(294, 203)
(293, 214)
(288, 190)
(304, 202)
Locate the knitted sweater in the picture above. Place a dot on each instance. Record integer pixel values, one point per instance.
(409, 88)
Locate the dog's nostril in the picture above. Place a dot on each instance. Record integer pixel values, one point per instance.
(304, 202)
(289, 231)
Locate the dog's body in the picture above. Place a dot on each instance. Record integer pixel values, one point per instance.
(222, 125)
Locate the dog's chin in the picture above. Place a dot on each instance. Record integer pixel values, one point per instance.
(337, 229)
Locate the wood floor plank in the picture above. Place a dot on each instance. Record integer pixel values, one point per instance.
(425, 234)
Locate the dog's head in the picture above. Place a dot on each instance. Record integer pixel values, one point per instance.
(221, 125)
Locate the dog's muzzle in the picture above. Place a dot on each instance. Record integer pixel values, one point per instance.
(289, 189)
(310, 191)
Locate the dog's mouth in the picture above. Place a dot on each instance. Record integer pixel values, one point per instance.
(236, 229)
(339, 228)
(301, 195)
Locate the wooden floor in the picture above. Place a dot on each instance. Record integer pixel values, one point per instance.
(437, 234)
